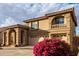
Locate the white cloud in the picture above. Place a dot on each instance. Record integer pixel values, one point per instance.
(8, 21)
(46, 7)
(11, 14)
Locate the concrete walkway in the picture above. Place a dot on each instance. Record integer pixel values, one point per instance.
(16, 51)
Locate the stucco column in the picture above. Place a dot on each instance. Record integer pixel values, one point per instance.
(3, 39)
(68, 38)
(18, 36)
(7, 39)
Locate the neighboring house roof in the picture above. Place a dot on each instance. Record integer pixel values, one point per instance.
(13, 26)
(71, 10)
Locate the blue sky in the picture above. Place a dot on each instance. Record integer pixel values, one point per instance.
(15, 13)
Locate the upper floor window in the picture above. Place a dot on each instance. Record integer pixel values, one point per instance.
(58, 20)
(34, 25)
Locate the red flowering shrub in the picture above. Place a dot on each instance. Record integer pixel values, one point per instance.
(52, 47)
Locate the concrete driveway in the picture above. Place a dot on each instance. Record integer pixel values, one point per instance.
(20, 51)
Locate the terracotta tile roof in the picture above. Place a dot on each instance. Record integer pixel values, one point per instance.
(71, 10)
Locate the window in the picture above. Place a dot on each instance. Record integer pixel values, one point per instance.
(58, 20)
(34, 25)
(59, 35)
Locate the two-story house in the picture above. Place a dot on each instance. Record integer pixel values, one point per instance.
(59, 24)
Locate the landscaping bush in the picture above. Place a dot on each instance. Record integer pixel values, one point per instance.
(52, 47)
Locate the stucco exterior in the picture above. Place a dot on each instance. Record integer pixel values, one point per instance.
(24, 35)
(45, 24)
(11, 36)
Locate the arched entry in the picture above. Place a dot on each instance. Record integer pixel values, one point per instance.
(12, 37)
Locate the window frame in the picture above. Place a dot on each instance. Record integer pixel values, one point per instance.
(58, 17)
(37, 25)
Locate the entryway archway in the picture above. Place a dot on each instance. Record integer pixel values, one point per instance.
(12, 38)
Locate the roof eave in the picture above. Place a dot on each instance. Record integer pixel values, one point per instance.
(70, 10)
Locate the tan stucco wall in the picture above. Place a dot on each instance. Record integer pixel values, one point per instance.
(73, 31)
(44, 24)
(68, 27)
(1, 37)
(16, 34)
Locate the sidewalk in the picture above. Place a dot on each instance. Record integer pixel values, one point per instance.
(16, 51)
